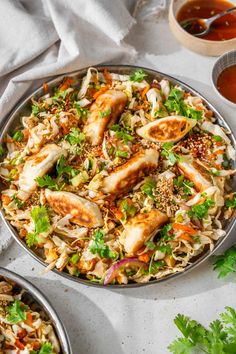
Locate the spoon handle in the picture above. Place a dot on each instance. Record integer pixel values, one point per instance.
(212, 19)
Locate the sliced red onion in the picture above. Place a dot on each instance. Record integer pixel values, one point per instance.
(112, 272)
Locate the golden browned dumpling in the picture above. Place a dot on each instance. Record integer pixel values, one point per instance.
(37, 166)
(84, 212)
(195, 173)
(104, 111)
(126, 176)
(168, 129)
(140, 228)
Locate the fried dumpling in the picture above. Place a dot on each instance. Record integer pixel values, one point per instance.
(126, 176)
(140, 228)
(168, 129)
(195, 173)
(84, 212)
(104, 111)
(37, 166)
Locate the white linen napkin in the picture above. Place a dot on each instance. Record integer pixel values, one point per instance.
(43, 38)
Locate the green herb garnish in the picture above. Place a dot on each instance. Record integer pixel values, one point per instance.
(105, 113)
(155, 266)
(46, 348)
(200, 211)
(220, 338)
(184, 184)
(99, 247)
(16, 312)
(17, 201)
(148, 187)
(217, 138)
(123, 154)
(75, 137)
(47, 181)
(121, 133)
(41, 222)
(18, 135)
(167, 151)
(231, 203)
(138, 75)
(127, 209)
(226, 263)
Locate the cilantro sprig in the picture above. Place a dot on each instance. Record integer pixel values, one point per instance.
(18, 135)
(231, 203)
(175, 103)
(99, 247)
(127, 209)
(148, 187)
(46, 348)
(219, 338)
(75, 137)
(41, 222)
(200, 211)
(167, 151)
(121, 133)
(138, 75)
(184, 184)
(225, 264)
(16, 312)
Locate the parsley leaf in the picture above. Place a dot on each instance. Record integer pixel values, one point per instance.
(47, 181)
(231, 203)
(200, 211)
(148, 187)
(18, 135)
(75, 137)
(138, 75)
(16, 312)
(105, 113)
(169, 154)
(99, 247)
(46, 348)
(226, 263)
(121, 133)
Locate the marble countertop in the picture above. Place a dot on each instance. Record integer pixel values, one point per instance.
(136, 321)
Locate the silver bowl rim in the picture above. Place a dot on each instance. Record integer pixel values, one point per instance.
(46, 305)
(115, 67)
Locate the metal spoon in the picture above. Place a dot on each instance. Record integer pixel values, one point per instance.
(201, 26)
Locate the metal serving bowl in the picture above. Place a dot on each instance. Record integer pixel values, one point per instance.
(23, 108)
(33, 295)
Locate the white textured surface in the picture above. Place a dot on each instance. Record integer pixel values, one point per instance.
(139, 321)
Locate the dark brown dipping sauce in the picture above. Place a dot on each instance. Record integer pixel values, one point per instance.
(226, 83)
(222, 29)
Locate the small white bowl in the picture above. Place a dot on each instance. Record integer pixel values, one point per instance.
(226, 60)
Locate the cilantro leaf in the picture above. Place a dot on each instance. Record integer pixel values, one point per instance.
(35, 109)
(121, 133)
(75, 137)
(128, 209)
(1, 150)
(184, 184)
(138, 75)
(47, 181)
(41, 222)
(120, 153)
(65, 171)
(18, 135)
(217, 138)
(165, 232)
(105, 113)
(231, 203)
(155, 266)
(17, 201)
(226, 263)
(16, 312)
(200, 211)
(148, 187)
(169, 154)
(99, 247)
(220, 338)
(46, 348)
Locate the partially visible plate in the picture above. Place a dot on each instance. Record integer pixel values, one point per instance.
(24, 109)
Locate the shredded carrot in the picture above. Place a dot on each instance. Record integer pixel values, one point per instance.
(23, 233)
(45, 87)
(26, 133)
(219, 152)
(185, 228)
(19, 345)
(144, 258)
(99, 92)
(186, 237)
(29, 318)
(218, 143)
(6, 199)
(36, 345)
(143, 93)
(67, 82)
(107, 76)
